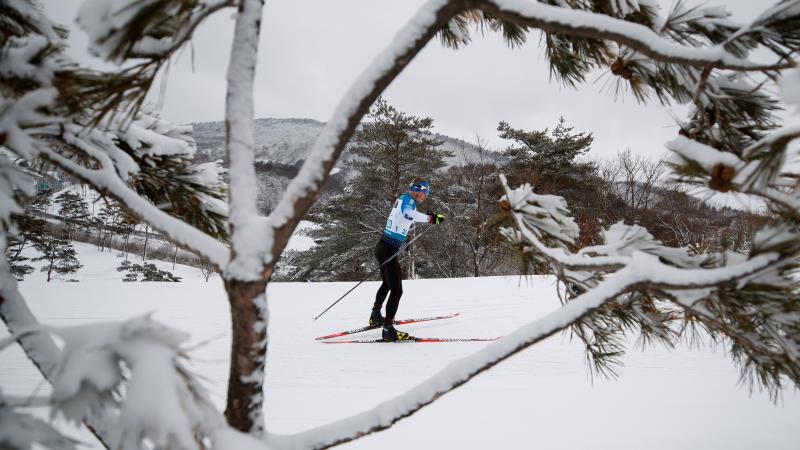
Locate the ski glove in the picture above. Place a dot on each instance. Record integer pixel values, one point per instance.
(435, 218)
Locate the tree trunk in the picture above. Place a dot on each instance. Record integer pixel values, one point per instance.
(146, 237)
(248, 354)
(21, 247)
(247, 298)
(476, 263)
(413, 257)
(110, 239)
(125, 247)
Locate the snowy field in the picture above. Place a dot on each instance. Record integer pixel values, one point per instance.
(541, 398)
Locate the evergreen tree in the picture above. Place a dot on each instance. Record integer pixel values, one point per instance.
(147, 271)
(106, 222)
(59, 256)
(390, 150)
(31, 230)
(126, 225)
(547, 158)
(551, 162)
(73, 211)
(17, 266)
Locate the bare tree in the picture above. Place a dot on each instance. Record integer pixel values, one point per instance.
(206, 269)
(638, 177)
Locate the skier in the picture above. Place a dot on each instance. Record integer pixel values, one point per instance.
(403, 215)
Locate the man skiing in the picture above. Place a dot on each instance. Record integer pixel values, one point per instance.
(404, 213)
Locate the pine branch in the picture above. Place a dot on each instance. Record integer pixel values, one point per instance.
(640, 38)
(154, 31)
(107, 182)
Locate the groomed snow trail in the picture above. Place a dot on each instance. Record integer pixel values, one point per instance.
(541, 398)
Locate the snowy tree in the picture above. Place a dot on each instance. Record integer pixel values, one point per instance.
(73, 211)
(58, 254)
(390, 149)
(107, 222)
(551, 161)
(90, 124)
(31, 229)
(126, 225)
(468, 245)
(548, 156)
(17, 265)
(147, 271)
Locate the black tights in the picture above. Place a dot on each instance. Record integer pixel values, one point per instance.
(392, 281)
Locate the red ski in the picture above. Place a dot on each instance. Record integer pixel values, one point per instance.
(396, 322)
(412, 339)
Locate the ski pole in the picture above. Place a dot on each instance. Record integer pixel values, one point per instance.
(373, 271)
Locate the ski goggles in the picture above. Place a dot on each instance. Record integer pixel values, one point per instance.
(420, 186)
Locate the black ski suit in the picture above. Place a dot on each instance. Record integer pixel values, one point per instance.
(404, 213)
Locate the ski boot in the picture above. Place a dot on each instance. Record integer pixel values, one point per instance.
(390, 334)
(375, 319)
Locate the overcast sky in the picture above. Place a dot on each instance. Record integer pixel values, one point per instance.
(311, 51)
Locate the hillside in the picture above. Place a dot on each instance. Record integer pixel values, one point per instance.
(283, 144)
(287, 141)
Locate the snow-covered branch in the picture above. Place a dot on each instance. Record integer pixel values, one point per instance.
(539, 217)
(144, 33)
(39, 347)
(247, 229)
(760, 175)
(638, 37)
(145, 157)
(306, 186)
(19, 430)
(106, 181)
(110, 25)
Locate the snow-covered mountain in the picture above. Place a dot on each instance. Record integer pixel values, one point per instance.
(287, 141)
(282, 144)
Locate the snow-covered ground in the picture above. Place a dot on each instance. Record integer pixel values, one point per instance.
(541, 398)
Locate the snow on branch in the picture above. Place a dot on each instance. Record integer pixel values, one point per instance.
(162, 402)
(247, 228)
(145, 157)
(548, 230)
(120, 30)
(145, 161)
(306, 186)
(638, 37)
(43, 352)
(124, 30)
(137, 372)
(760, 171)
(131, 373)
(105, 180)
(22, 431)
